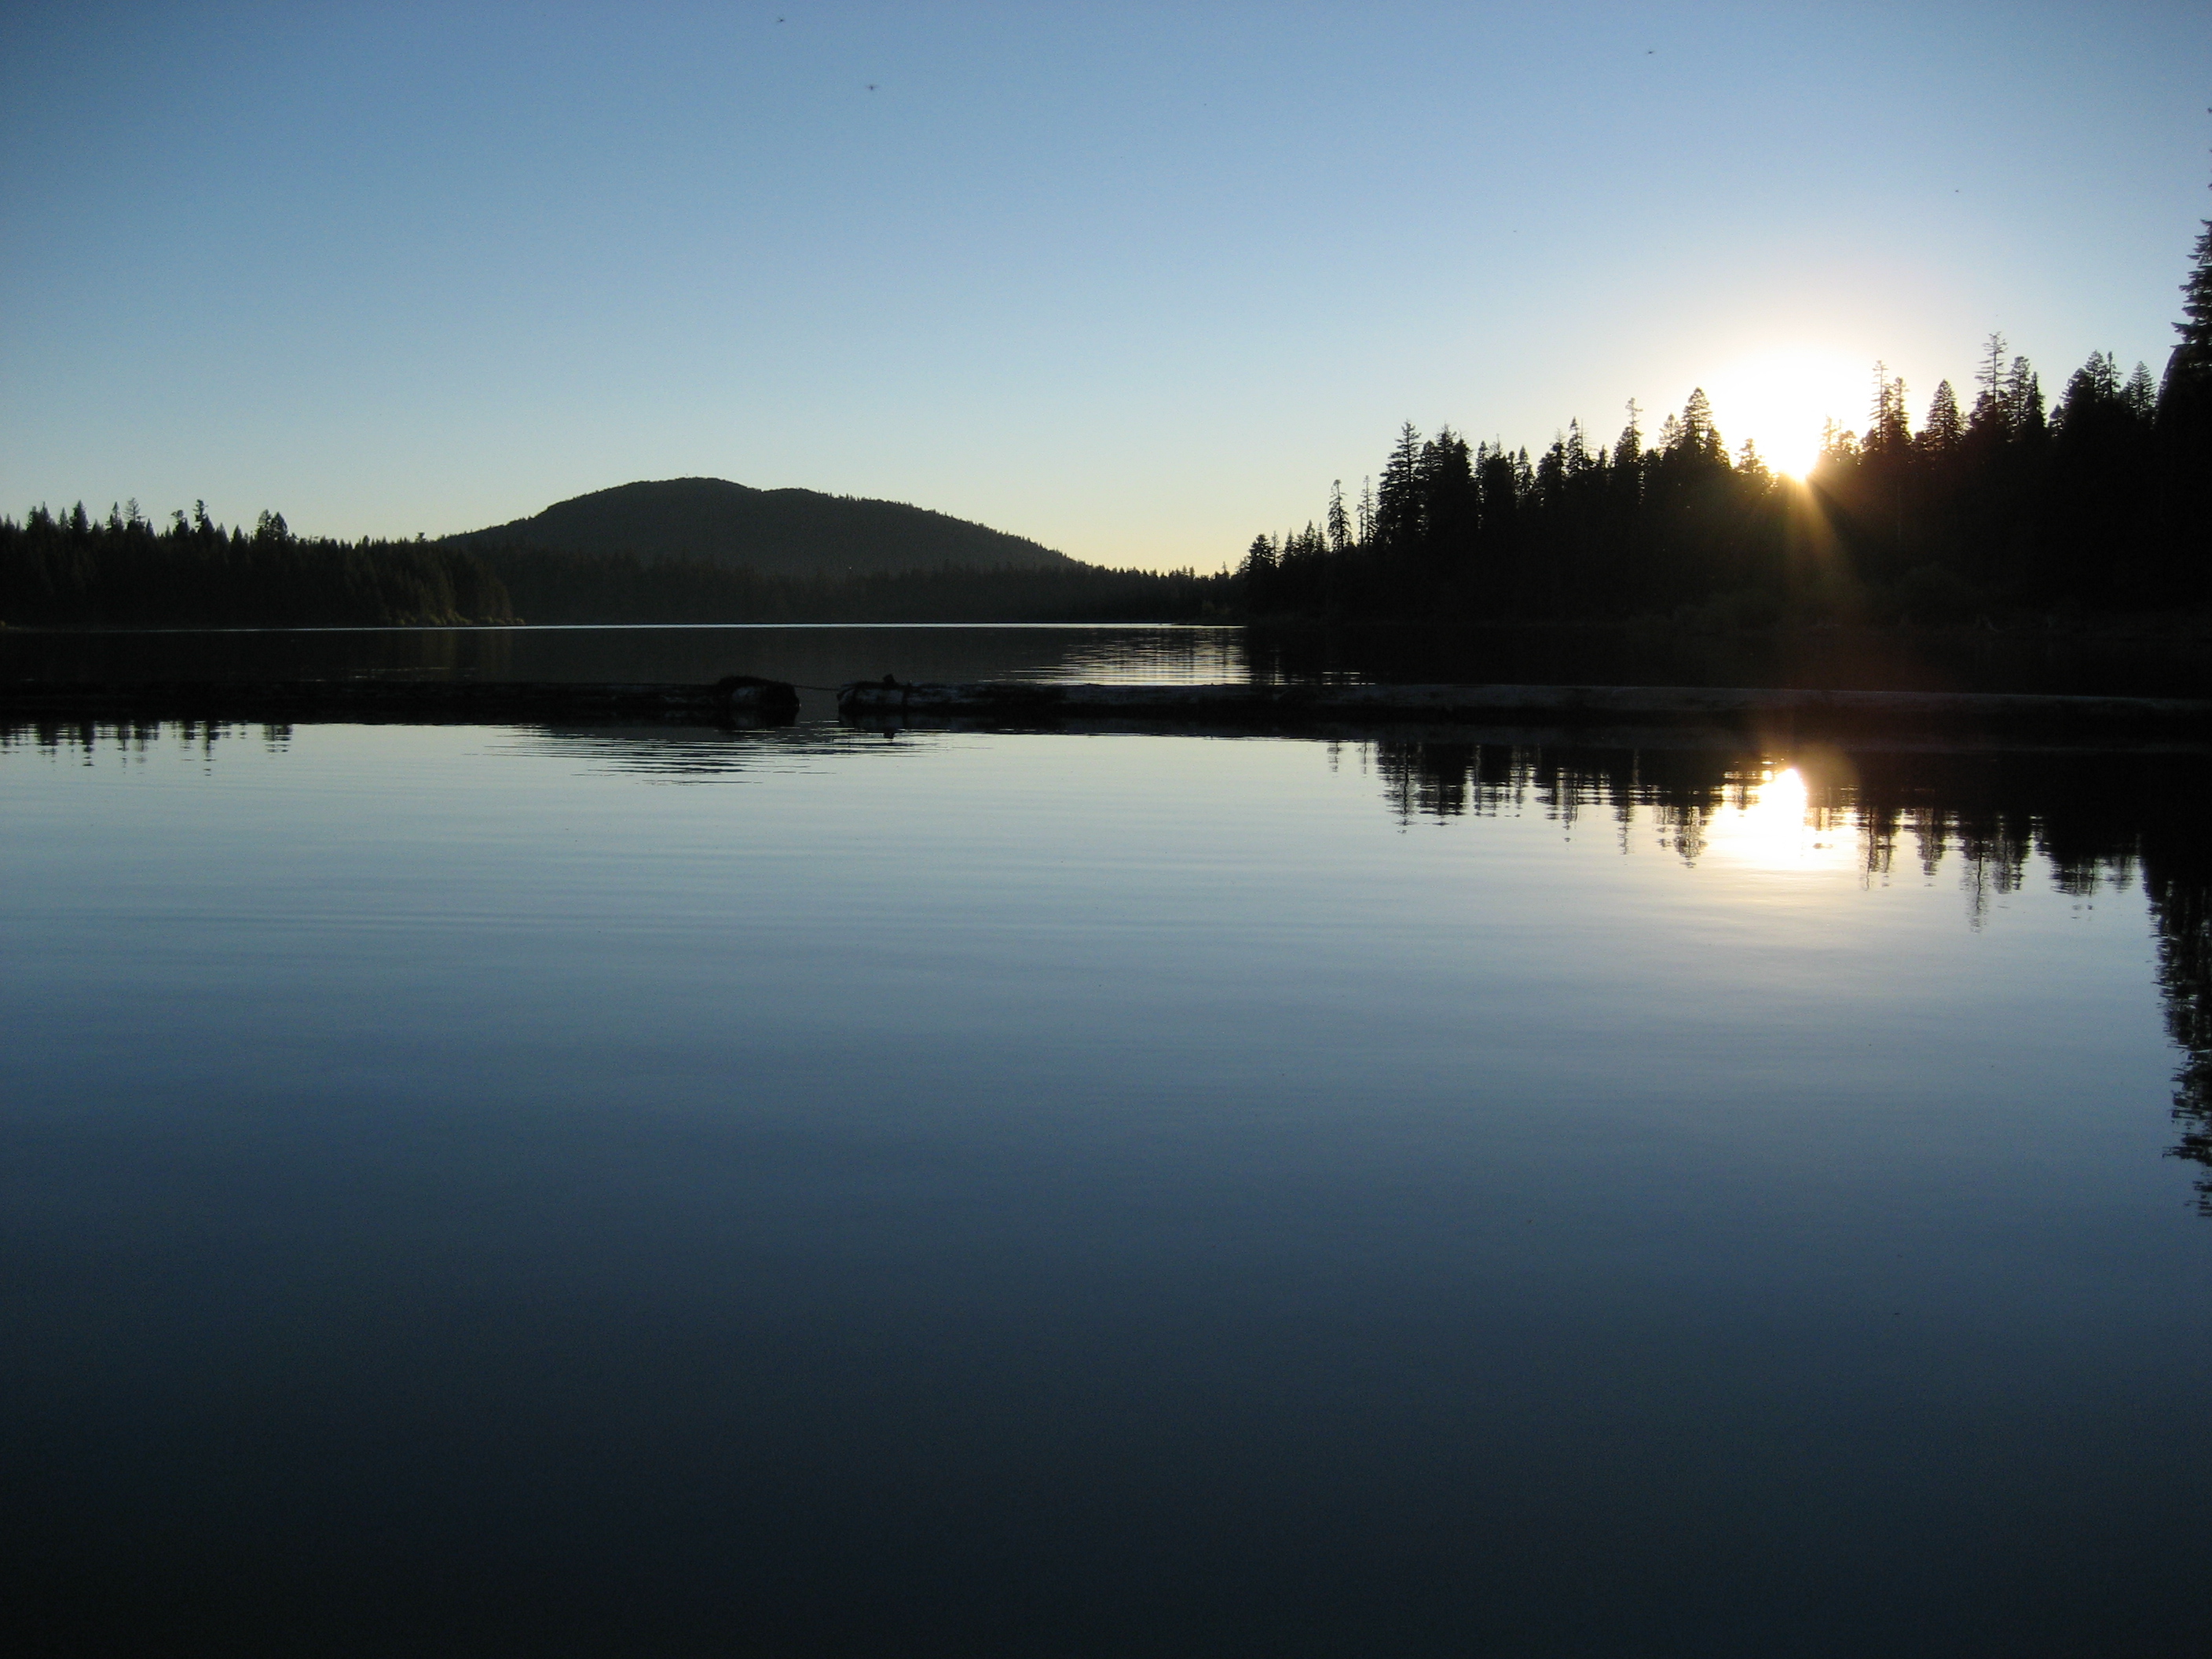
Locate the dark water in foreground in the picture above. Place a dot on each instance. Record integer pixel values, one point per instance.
(485, 1190)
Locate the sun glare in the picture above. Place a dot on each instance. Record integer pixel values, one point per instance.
(1781, 400)
(1776, 828)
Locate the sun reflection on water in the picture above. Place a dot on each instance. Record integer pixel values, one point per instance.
(1774, 825)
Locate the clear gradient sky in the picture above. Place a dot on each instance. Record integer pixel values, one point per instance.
(1136, 280)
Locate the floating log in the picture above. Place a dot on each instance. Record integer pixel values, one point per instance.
(1016, 704)
(738, 698)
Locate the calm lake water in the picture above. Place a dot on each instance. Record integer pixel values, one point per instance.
(1630, 654)
(510, 1190)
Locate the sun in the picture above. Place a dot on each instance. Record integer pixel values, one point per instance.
(1782, 399)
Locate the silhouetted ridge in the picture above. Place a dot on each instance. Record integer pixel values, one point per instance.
(783, 532)
(73, 570)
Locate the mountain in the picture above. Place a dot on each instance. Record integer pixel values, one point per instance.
(797, 532)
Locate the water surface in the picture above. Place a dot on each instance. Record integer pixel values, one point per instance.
(2058, 661)
(515, 1190)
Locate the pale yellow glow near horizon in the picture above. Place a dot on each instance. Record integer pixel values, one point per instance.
(1783, 399)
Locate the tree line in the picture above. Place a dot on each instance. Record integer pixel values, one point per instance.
(2101, 500)
(73, 570)
(550, 586)
(124, 572)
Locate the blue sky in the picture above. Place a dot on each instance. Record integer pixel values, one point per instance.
(1136, 280)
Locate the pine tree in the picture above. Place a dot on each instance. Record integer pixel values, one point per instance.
(2141, 394)
(1340, 523)
(2092, 396)
(1697, 434)
(1552, 472)
(1989, 402)
(1628, 449)
(2189, 367)
(1943, 429)
(1891, 433)
(1839, 445)
(1397, 502)
(2185, 426)
(1579, 458)
(2184, 404)
(2023, 400)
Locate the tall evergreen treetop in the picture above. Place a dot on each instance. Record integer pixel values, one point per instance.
(1990, 401)
(2192, 355)
(2092, 396)
(1944, 428)
(1629, 448)
(2188, 390)
(1397, 500)
(2023, 399)
(2140, 394)
(2184, 421)
(1892, 430)
(1696, 432)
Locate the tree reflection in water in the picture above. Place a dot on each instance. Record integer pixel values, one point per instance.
(2098, 820)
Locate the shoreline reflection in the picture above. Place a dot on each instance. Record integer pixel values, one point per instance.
(2097, 822)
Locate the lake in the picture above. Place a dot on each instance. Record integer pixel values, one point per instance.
(817, 1191)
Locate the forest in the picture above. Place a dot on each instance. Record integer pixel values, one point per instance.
(123, 571)
(2013, 504)
(553, 586)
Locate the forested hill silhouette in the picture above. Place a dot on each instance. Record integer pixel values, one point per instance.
(776, 533)
(73, 570)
